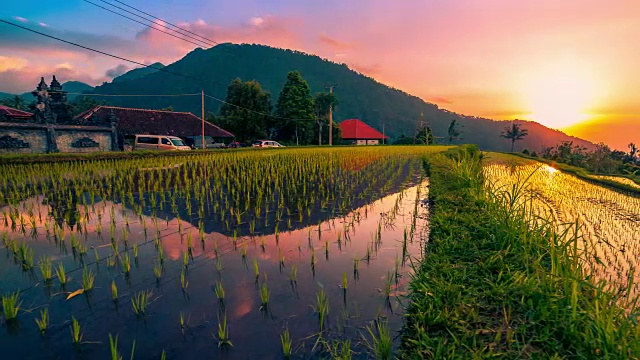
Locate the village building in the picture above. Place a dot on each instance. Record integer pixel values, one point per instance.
(356, 132)
(51, 127)
(152, 122)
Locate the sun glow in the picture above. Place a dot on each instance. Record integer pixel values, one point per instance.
(560, 97)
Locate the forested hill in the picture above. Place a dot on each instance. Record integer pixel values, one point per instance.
(359, 96)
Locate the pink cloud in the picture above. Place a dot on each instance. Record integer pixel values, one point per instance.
(272, 30)
(19, 80)
(334, 43)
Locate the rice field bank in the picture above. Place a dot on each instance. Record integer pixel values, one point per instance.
(258, 254)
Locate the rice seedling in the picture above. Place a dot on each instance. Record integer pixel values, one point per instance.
(26, 256)
(388, 286)
(43, 321)
(345, 282)
(322, 307)
(88, 279)
(114, 291)
(11, 305)
(157, 270)
(265, 295)
(126, 264)
(256, 269)
(113, 347)
(293, 274)
(223, 333)
(184, 283)
(46, 268)
(285, 341)
(76, 331)
(61, 274)
(140, 301)
(185, 260)
(381, 343)
(219, 266)
(219, 289)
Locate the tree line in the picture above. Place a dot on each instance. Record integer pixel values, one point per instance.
(298, 117)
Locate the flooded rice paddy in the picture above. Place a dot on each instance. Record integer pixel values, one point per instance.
(608, 220)
(240, 255)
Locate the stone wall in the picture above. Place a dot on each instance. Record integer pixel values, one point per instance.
(40, 138)
(74, 141)
(22, 141)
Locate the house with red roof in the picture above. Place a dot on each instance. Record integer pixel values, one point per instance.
(9, 114)
(356, 132)
(153, 122)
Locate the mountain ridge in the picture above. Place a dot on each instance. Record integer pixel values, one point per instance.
(360, 96)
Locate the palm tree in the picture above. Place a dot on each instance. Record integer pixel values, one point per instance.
(514, 133)
(453, 132)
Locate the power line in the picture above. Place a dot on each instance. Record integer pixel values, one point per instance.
(152, 67)
(147, 25)
(173, 25)
(153, 27)
(124, 95)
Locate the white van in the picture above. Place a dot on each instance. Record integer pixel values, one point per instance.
(159, 142)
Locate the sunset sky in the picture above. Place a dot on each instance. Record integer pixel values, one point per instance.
(568, 64)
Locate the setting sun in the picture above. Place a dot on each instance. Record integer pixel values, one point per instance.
(560, 97)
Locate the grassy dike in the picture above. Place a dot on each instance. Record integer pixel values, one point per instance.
(494, 284)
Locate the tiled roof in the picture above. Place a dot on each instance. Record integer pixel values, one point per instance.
(153, 122)
(14, 113)
(356, 129)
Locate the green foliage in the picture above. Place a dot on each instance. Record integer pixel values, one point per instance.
(16, 102)
(293, 110)
(84, 103)
(424, 136)
(246, 110)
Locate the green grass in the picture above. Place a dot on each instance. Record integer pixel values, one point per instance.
(492, 284)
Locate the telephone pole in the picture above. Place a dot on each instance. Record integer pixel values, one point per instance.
(203, 143)
(331, 115)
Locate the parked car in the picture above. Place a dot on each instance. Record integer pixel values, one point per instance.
(237, 145)
(159, 142)
(266, 143)
(195, 142)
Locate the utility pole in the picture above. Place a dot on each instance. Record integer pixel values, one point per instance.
(203, 143)
(383, 136)
(331, 116)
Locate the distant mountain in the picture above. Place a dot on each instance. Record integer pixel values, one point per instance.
(74, 87)
(4, 95)
(359, 96)
(138, 73)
